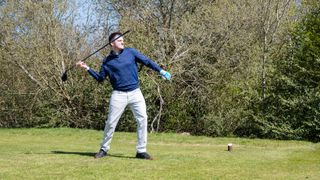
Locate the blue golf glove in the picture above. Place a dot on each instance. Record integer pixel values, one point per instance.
(165, 75)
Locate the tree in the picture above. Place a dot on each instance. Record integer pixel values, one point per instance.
(214, 52)
(292, 103)
(39, 39)
(297, 84)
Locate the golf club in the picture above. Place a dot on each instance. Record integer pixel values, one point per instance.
(64, 76)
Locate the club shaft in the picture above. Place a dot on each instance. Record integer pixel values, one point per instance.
(84, 59)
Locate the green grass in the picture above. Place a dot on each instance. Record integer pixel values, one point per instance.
(68, 154)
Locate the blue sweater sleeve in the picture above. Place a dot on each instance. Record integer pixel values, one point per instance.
(145, 61)
(98, 76)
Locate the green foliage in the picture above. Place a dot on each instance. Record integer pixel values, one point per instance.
(219, 53)
(292, 108)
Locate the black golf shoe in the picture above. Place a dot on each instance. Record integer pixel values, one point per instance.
(100, 154)
(144, 155)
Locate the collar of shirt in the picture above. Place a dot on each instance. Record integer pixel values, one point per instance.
(113, 53)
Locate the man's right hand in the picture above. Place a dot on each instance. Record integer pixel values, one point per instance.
(82, 64)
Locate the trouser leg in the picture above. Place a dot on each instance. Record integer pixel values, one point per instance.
(138, 107)
(118, 103)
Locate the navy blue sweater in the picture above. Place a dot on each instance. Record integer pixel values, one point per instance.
(122, 69)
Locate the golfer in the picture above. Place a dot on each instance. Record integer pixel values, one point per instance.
(121, 68)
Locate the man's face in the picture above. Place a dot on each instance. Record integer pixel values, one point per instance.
(118, 44)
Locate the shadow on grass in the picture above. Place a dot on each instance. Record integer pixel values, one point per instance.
(91, 154)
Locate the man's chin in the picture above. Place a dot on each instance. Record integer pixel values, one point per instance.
(119, 48)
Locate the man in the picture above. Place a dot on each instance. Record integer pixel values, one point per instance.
(121, 68)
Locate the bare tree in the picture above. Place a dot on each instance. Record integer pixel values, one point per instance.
(272, 15)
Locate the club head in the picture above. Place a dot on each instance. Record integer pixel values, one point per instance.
(64, 76)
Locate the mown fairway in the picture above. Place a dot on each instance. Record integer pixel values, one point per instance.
(68, 154)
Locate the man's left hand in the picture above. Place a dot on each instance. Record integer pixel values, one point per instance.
(165, 75)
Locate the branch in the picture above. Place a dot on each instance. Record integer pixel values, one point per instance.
(158, 116)
(29, 74)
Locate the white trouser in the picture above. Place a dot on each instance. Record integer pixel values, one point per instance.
(118, 102)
